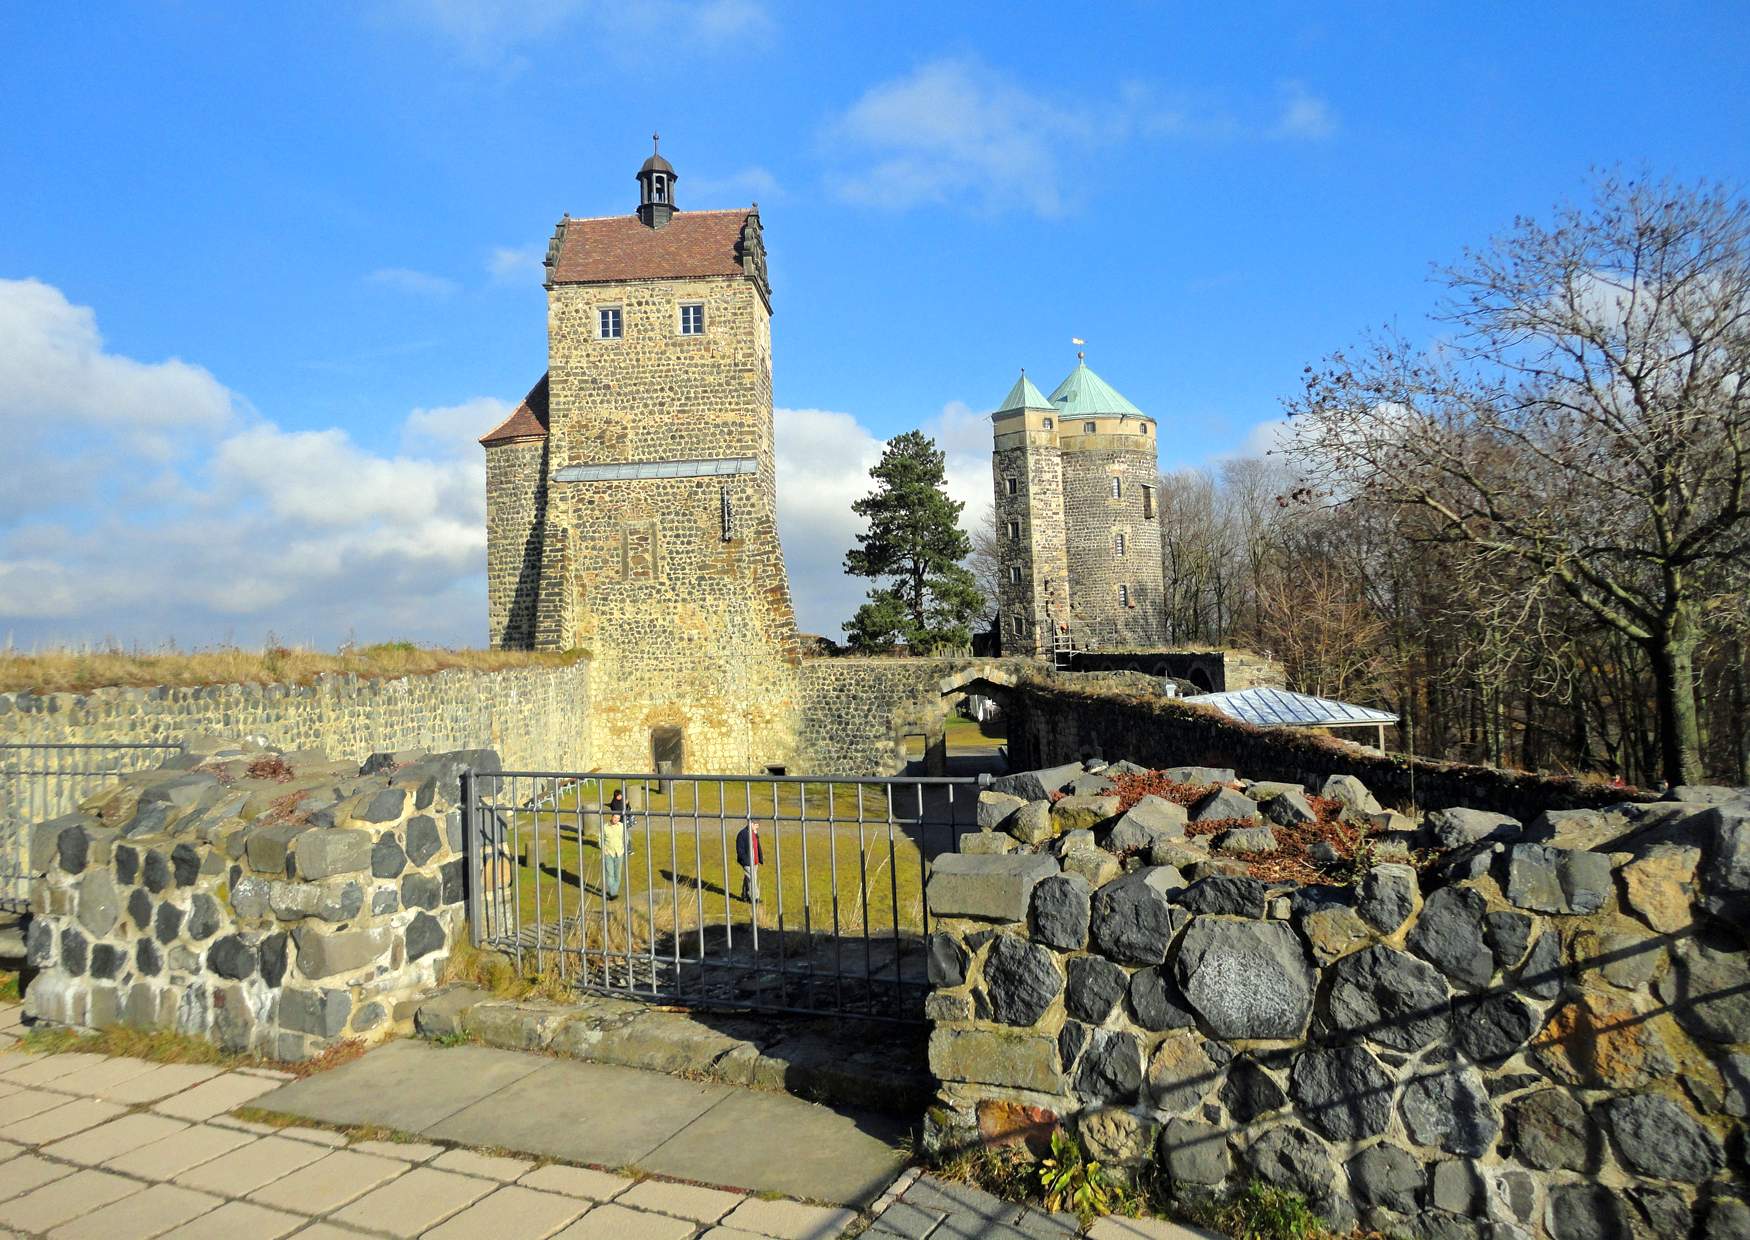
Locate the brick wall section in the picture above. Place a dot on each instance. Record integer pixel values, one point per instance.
(267, 916)
(688, 629)
(516, 478)
(1054, 723)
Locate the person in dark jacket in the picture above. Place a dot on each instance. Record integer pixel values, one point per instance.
(748, 855)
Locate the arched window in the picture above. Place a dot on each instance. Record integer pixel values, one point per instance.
(656, 188)
(1118, 544)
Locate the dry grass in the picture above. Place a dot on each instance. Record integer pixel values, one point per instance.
(157, 1045)
(79, 670)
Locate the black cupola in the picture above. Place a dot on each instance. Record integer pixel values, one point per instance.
(656, 188)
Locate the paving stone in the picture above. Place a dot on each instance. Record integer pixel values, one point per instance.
(329, 1182)
(615, 1222)
(270, 1074)
(237, 1219)
(1114, 1228)
(577, 1182)
(421, 1199)
(162, 1081)
(406, 1151)
(141, 1216)
(111, 1140)
(98, 1080)
(906, 1220)
(789, 1220)
(215, 1097)
(707, 1205)
(36, 1069)
(45, 1208)
(165, 1158)
(328, 1231)
(244, 1125)
(27, 1171)
(244, 1170)
(511, 1211)
(76, 1115)
(20, 1106)
(489, 1166)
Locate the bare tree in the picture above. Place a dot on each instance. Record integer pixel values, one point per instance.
(1588, 427)
(987, 568)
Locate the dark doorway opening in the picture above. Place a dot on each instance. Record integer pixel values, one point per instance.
(668, 749)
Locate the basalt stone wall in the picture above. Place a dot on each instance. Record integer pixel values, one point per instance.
(1051, 723)
(1526, 1039)
(269, 903)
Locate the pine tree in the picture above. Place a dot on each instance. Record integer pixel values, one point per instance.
(923, 597)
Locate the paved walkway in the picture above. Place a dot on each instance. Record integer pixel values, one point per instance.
(608, 1116)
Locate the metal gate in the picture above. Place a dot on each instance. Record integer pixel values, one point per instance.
(829, 920)
(40, 782)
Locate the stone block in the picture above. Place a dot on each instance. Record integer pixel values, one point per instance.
(1246, 979)
(424, 839)
(1194, 1153)
(1659, 885)
(422, 890)
(1095, 987)
(1225, 804)
(233, 957)
(987, 843)
(269, 849)
(329, 953)
(1152, 819)
(1132, 919)
(321, 1013)
(325, 853)
(992, 888)
(1060, 911)
(1201, 774)
(1037, 785)
(1031, 824)
(1081, 813)
(1458, 827)
(1352, 794)
(98, 906)
(1556, 880)
(386, 805)
(425, 934)
(994, 809)
(1011, 1060)
(1020, 979)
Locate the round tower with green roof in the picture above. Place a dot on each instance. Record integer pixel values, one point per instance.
(1078, 522)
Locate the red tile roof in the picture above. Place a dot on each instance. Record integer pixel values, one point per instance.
(527, 421)
(620, 247)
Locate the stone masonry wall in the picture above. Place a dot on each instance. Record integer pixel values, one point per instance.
(690, 625)
(1094, 519)
(1038, 600)
(269, 903)
(516, 485)
(1545, 1034)
(857, 712)
(1050, 723)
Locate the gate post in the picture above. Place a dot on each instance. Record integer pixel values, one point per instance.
(475, 874)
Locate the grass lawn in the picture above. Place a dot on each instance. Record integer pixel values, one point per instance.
(964, 736)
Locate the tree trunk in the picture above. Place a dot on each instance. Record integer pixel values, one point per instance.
(1673, 657)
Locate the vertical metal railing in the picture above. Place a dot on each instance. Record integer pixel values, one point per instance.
(659, 906)
(43, 781)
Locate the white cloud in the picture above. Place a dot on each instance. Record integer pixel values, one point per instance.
(1304, 115)
(238, 526)
(415, 283)
(514, 264)
(823, 461)
(956, 131)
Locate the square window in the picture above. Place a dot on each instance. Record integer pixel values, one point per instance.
(1014, 529)
(1087, 428)
(1118, 544)
(693, 319)
(1124, 596)
(1047, 423)
(1117, 488)
(1012, 485)
(1148, 503)
(608, 324)
(1014, 575)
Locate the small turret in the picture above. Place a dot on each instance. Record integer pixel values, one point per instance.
(656, 187)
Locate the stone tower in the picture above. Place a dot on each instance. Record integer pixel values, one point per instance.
(1027, 468)
(1078, 523)
(631, 500)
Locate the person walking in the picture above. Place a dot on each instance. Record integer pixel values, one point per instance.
(747, 854)
(612, 839)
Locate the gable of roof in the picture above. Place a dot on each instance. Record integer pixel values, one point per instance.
(615, 248)
(527, 421)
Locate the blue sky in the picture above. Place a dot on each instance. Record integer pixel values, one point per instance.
(268, 269)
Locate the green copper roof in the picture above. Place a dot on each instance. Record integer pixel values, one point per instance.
(1023, 396)
(1084, 393)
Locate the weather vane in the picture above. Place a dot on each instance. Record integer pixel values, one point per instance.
(1080, 356)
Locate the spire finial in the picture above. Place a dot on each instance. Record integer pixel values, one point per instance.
(1080, 356)
(655, 143)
